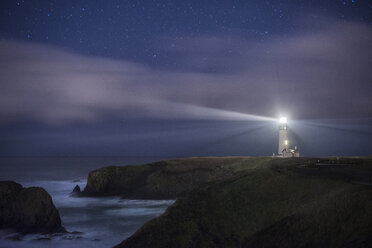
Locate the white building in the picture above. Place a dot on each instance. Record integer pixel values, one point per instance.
(284, 150)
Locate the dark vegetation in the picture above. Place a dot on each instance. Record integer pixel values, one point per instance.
(262, 202)
(348, 169)
(161, 180)
(27, 210)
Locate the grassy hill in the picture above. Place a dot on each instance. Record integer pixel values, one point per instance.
(266, 202)
(165, 179)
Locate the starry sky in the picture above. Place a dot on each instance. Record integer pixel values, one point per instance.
(184, 78)
(131, 30)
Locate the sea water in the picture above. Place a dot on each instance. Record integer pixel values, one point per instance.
(91, 222)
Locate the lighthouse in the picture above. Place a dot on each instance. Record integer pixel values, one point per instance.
(283, 136)
(284, 150)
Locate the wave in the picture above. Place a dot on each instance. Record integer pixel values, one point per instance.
(94, 222)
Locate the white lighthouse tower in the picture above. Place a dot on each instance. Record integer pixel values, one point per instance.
(283, 149)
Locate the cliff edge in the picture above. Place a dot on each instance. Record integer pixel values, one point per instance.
(280, 203)
(168, 179)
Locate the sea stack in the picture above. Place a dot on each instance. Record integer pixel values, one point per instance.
(76, 191)
(27, 210)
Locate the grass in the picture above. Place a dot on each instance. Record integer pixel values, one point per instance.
(165, 179)
(260, 206)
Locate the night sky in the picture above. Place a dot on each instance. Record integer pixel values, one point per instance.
(184, 78)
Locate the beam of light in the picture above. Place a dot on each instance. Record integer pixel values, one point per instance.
(242, 133)
(199, 112)
(236, 135)
(324, 137)
(336, 127)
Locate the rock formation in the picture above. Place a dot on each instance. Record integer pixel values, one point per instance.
(269, 205)
(161, 180)
(76, 191)
(27, 210)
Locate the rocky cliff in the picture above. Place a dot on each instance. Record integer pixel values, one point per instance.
(162, 180)
(270, 205)
(28, 210)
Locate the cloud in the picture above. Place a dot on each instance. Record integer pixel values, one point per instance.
(324, 73)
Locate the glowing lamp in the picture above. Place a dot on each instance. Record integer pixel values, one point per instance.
(283, 120)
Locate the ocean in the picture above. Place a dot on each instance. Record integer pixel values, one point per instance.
(92, 222)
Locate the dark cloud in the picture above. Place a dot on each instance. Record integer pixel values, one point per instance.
(318, 74)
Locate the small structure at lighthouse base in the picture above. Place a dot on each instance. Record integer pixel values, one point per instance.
(284, 150)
